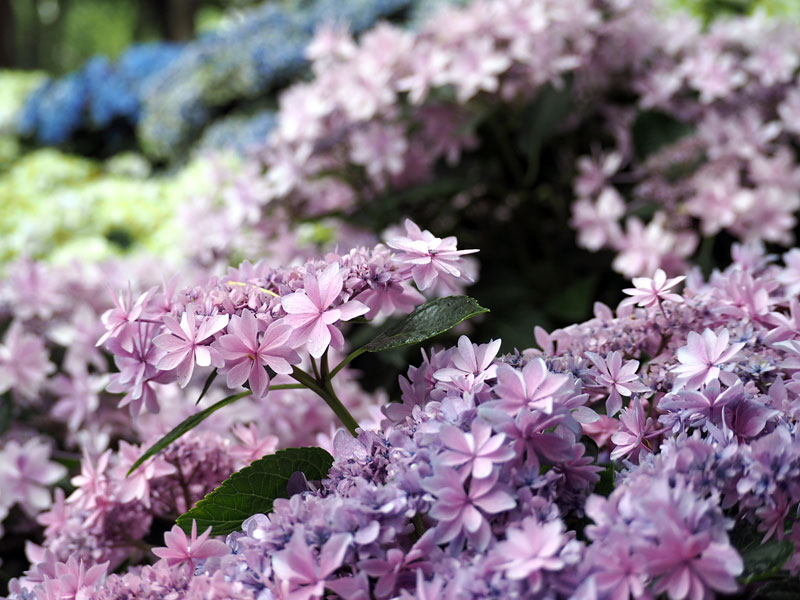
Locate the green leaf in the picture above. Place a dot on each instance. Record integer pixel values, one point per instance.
(427, 321)
(212, 376)
(185, 426)
(253, 489)
(761, 561)
(786, 588)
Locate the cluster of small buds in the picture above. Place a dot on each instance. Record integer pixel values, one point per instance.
(257, 319)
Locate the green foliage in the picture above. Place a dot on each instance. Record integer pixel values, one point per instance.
(253, 489)
(427, 321)
(761, 561)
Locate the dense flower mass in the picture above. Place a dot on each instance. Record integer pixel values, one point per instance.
(485, 478)
(397, 109)
(650, 451)
(257, 316)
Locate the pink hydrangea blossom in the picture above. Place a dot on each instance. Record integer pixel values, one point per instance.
(181, 549)
(300, 575)
(648, 292)
(702, 358)
(474, 453)
(531, 549)
(620, 379)
(533, 387)
(461, 512)
(429, 257)
(184, 345)
(245, 356)
(312, 314)
(26, 472)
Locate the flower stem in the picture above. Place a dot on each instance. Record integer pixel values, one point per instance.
(345, 361)
(324, 390)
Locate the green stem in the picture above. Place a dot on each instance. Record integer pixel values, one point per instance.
(287, 386)
(325, 391)
(345, 361)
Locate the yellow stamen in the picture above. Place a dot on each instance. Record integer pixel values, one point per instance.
(265, 290)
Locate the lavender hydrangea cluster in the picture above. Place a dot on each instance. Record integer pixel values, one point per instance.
(623, 459)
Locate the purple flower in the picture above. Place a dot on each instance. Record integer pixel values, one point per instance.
(300, 576)
(630, 440)
(429, 257)
(651, 292)
(26, 472)
(310, 312)
(181, 549)
(119, 321)
(184, 344)
(531, 549)
(476, 452)
(619, 378)
(702, 357)
(245, 357)
(532, 387)
(24, 362)
(459, 511)
(691, 565)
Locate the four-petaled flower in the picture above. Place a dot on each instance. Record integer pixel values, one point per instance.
(310, 311)
(181, 549)
(184, 343)
(651, 292)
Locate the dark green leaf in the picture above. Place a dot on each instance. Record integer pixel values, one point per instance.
(787, 588)
(428, 320)
(605, 486)
(253, 489)
(185, 426)
(212, 376)
(761, 561)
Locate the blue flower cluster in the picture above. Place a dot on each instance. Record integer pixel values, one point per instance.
(102, 97)
(253, 55)
(237, 132)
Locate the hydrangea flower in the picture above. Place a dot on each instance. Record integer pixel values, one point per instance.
(181, 549)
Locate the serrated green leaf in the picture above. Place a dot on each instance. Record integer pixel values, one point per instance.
(185, 426)
(253, 489)
(427, 321)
